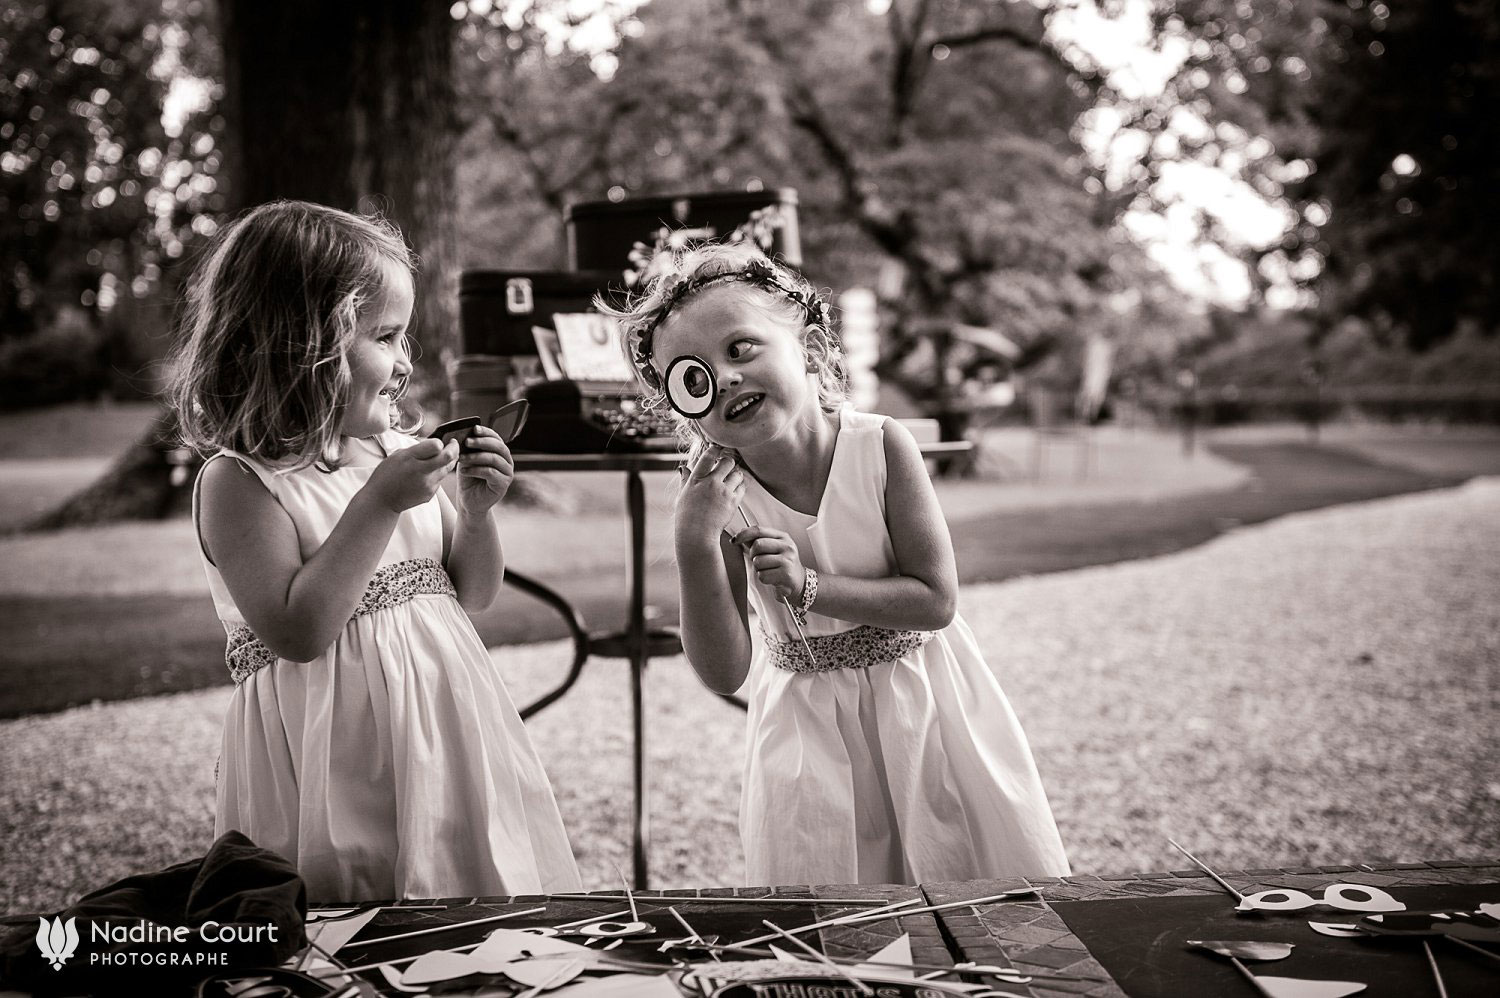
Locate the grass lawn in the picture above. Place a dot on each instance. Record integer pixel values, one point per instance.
(121, 611)
(1317, 689)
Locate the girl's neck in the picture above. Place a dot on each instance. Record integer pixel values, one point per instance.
(360, 452)
(794, 467)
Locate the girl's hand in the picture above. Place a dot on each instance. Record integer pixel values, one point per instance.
(777, 564)
(711, 493)
(411, 476)
(485, 471)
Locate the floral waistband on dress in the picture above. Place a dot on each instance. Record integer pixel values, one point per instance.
(858, 648)
(390, 586)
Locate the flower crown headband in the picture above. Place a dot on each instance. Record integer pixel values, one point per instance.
(757, 273)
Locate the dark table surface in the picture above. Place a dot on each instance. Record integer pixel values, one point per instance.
(1126, 933)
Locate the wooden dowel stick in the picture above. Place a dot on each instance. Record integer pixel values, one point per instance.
(1476, 949)
(445, 928)
(860, 985)
(1202, 866)
(1437, 976)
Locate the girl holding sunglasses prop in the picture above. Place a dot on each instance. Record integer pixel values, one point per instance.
(370, 739)
(881, 749)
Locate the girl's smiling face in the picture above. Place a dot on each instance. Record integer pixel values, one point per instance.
(757, 358)
(379, 360)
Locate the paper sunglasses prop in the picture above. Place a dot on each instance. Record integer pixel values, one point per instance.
(1347, 897)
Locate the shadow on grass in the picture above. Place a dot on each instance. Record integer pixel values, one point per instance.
(64, 652)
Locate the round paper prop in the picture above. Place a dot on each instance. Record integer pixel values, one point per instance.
(691, 386)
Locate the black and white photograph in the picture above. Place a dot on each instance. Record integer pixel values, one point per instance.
(749, 498)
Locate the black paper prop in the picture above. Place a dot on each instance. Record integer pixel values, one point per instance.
(510, 419)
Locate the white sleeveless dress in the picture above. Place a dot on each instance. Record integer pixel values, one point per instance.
(394, 764)
(899, 760)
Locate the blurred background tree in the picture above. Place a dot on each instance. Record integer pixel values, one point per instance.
(985, 166)
(934, 147)
(109, 165)
(1377, 124)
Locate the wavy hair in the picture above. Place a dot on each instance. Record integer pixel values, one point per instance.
(261, 361)
(764, 282)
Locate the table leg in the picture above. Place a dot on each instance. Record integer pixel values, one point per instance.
(635, 501)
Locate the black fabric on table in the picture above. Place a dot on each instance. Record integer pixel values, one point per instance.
(236, 882)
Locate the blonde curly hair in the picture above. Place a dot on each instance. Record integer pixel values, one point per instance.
(684, 274)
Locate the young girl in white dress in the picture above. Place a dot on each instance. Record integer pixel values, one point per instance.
(881, 750)
(370, 739)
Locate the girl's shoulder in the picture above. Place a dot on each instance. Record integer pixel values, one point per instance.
(393, 440)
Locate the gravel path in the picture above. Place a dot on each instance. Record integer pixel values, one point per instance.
(1317, 689)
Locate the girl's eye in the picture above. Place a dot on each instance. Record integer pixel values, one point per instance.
(739, 348)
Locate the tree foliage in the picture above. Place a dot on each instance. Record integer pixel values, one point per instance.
(1383, 134)
(98, 195)
(933, 144)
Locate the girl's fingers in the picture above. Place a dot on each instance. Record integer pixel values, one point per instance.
(704, 465)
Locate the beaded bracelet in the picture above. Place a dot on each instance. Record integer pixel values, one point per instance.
(809, 593)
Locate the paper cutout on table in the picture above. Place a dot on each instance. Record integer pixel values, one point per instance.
(591, 349)
(1492, 910)
(1277, 987)
(896, 951)
(331, 935)
(544, 975)
(1339, 930)
(1297, 987)
(616, 930)
(1476, 925)
(527, 959)
(621, 986)
(318, 914)
(1345, 897)
(505, 947)
(393, 978)
(439, 965)
(1244, 949)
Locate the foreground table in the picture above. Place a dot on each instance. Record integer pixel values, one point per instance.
(1111, 936)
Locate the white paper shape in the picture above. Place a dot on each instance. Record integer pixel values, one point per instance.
(1353, 898)
(546, 973)
(393, 978)
(331, 936)
(1296, 987)
(896, 951)
(615, 930)
(620, 986)
(507, 946)
(438, 965)
(1492, 910)
(1340, 930)
(1347, 897)
(322, 913)
(1244, 949)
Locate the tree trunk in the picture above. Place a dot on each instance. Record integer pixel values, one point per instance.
(349, 105)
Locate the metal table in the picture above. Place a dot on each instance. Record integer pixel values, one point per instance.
(637, 642)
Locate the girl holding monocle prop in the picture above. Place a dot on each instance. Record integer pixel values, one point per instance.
(881, 748)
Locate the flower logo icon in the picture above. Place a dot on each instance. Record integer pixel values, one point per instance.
(57, 940)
